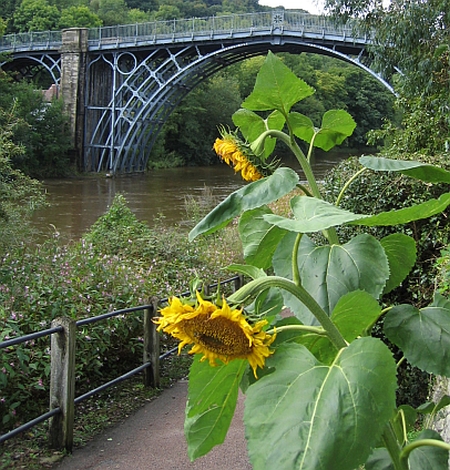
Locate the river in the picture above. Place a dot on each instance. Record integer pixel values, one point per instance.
(75, 204)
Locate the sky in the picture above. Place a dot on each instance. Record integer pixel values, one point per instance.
(313, 6)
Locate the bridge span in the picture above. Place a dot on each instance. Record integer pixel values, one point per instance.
(120, 83)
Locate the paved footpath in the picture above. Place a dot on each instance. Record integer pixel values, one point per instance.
(153, 439)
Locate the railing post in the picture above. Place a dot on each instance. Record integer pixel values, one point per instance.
(238, 283)
(62, 383)
(151, 347)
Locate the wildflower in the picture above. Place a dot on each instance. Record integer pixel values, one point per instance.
(216, 332)
(239, 156)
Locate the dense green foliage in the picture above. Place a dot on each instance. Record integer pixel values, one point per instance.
(20, 195)
(119, 263)
(443, 268)
(412, 37)
(38, 127)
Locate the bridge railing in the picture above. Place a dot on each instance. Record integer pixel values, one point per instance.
(40, 40)
(179, 28)
(248, 22)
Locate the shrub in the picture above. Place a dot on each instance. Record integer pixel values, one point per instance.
(119, 263)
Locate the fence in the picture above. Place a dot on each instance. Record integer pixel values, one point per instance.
(62, 357)
(187, 28)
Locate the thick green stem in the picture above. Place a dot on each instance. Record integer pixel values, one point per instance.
(404, 454)
(393, 447)
(303, 328)
(261, 284)
(295, 270)
(306, 167)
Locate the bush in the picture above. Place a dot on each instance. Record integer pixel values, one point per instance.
(120, 263)
(443, 272)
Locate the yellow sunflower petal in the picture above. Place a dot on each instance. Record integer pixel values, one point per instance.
(219, 333)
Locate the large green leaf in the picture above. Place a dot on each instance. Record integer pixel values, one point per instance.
(337, 125)
(310, 416)
(422, 171)
(246, 198)
(312, 215)
(329, 272)
(247, 270)
(259, 238)
(212, 397)
(428, 457)
(354, 313)
(379, 459)
(401, 252)
(302, 126)
(423, 336)
(276, 87)
(408, 214)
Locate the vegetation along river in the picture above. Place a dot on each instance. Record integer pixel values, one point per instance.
(75, 204)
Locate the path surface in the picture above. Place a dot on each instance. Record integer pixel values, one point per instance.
(153, 439)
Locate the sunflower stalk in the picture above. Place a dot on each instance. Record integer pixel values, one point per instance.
(261, 284)
(258, 146)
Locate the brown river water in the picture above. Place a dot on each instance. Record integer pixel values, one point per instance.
(75, 204)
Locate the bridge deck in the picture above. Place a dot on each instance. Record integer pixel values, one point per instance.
(159, 33)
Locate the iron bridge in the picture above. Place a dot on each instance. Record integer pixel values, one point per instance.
(135, 75)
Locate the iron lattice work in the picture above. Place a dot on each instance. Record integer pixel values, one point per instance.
(132, 92)
(137, 74)
(43, 68)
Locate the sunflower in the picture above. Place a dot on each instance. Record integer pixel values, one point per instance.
(239, 156)
(216, 332)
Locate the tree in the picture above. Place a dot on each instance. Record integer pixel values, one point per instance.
(36, 15)
(80, 17)
(111, 12)
(40, 129)
(412, 37)
(137, 16)
(20, 195)
(167, 12)
(3, 25)
(145, 5)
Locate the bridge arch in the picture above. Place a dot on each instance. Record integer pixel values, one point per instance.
(120, 83)
(29, 66)
(151, 93)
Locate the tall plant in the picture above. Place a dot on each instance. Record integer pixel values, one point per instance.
(320, 390)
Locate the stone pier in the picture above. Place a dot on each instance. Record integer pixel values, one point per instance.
(72, 88)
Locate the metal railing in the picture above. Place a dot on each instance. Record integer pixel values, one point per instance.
(62, 375)
(189, 28)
